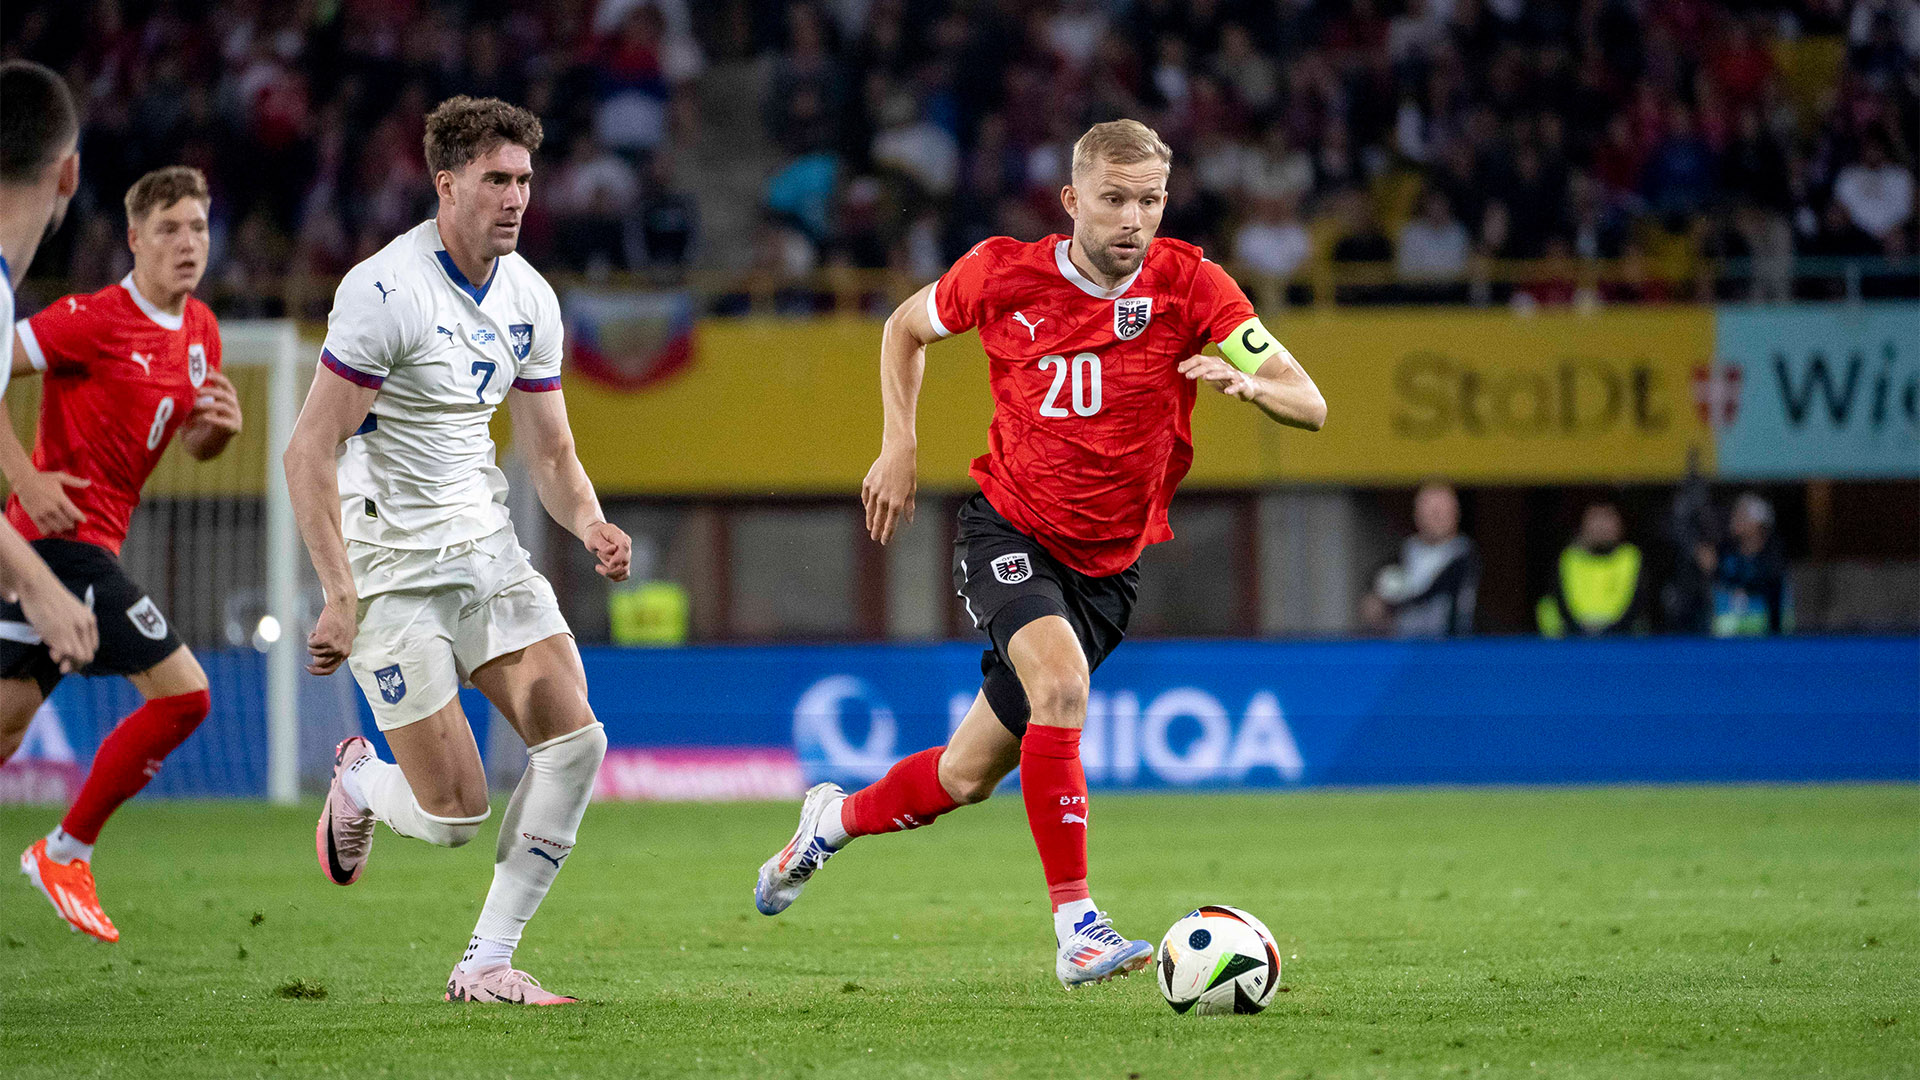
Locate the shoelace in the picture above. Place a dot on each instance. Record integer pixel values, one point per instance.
(517, 978)
(1103, 933)
(815, 856)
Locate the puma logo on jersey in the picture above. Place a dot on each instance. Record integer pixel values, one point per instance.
(73, 304)
(145, 361)
(449, 333)
(1033, 328)
(1072, 819)
(384, 291)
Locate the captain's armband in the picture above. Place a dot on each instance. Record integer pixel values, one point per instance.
(1250, 345)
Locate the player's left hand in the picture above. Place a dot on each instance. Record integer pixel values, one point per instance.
(612, 547)
(218, 406)
(1221, 375)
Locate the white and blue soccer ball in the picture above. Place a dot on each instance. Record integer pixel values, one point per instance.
(1218, 959)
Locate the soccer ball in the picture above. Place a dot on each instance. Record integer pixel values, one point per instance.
(1218, 959)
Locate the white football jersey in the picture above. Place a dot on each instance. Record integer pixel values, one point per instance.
(443, 353)
(6, 321)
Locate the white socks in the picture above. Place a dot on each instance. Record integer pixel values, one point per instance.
(536, 835)
(63, 849)
(1068, 915)
(382, 788)
(832, 829)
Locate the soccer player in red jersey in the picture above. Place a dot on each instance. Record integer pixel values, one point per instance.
(126, 368)
(1094, 342)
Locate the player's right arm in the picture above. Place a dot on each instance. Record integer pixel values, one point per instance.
(63, 622)
(333, 411)
(948, 306)
(366, 336)
(888, 489)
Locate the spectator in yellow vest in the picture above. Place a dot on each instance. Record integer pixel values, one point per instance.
(1600, 587)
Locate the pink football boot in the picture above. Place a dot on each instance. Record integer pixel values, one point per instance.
(344, 837)
(505, 984)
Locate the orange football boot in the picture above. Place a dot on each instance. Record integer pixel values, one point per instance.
(69, 888)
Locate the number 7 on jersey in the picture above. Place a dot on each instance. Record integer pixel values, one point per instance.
(484, 369)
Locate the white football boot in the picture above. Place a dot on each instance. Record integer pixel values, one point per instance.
(783, 876)
(1095, 952)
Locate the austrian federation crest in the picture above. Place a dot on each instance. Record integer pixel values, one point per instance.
(1131, 315)
(393, 686)
(1012, 569)
(520, 336)
(196, 364)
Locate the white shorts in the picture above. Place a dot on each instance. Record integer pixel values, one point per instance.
(429, 618)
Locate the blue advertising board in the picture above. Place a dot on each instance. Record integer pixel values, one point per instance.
(1821, 390)
(1171, 715)
(723, 722)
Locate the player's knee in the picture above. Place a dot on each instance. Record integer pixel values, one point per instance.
(1058, 693)
(190, 709)
(576, 754)
(966, 787)
(451, 832)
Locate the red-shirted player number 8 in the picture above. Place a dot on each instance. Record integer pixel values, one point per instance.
(160, 417)
(1086, 384)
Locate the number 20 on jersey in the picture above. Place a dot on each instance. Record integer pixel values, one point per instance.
(1084, 372)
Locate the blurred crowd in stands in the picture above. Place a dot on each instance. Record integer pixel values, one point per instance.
(1412, 136)
(307, 119)
(1415, 134)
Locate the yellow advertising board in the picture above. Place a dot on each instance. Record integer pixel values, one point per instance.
(775, 406)
(792, 406)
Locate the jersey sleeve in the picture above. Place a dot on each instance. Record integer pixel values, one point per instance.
(541, 369)
(958, 300)
(1219, 305)
(57, 338)
(1226, 318)
(371, 328)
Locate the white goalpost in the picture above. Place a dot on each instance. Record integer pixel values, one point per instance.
(281, 341)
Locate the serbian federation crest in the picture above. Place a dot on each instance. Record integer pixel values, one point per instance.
(393, 685)
(520, 336)
(1131, 315)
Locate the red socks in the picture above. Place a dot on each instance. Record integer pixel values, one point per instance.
(1054, 787)
(1052, 784)
(909, 796)
(129, 756)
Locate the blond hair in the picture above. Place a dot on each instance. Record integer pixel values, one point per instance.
(1119, 142)
(162, 188)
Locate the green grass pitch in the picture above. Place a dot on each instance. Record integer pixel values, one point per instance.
(1631, 932)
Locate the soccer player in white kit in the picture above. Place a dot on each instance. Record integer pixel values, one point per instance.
(426, 585)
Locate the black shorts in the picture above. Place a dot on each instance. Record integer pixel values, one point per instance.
(1008, 580)
(134, 636)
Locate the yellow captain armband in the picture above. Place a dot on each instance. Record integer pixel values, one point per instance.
(1250, 345)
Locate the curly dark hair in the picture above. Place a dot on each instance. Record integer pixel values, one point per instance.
(462, 128)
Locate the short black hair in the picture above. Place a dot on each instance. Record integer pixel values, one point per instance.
(38, 120)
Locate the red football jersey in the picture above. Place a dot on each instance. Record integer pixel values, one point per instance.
(1092, 420)
(121, 377)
